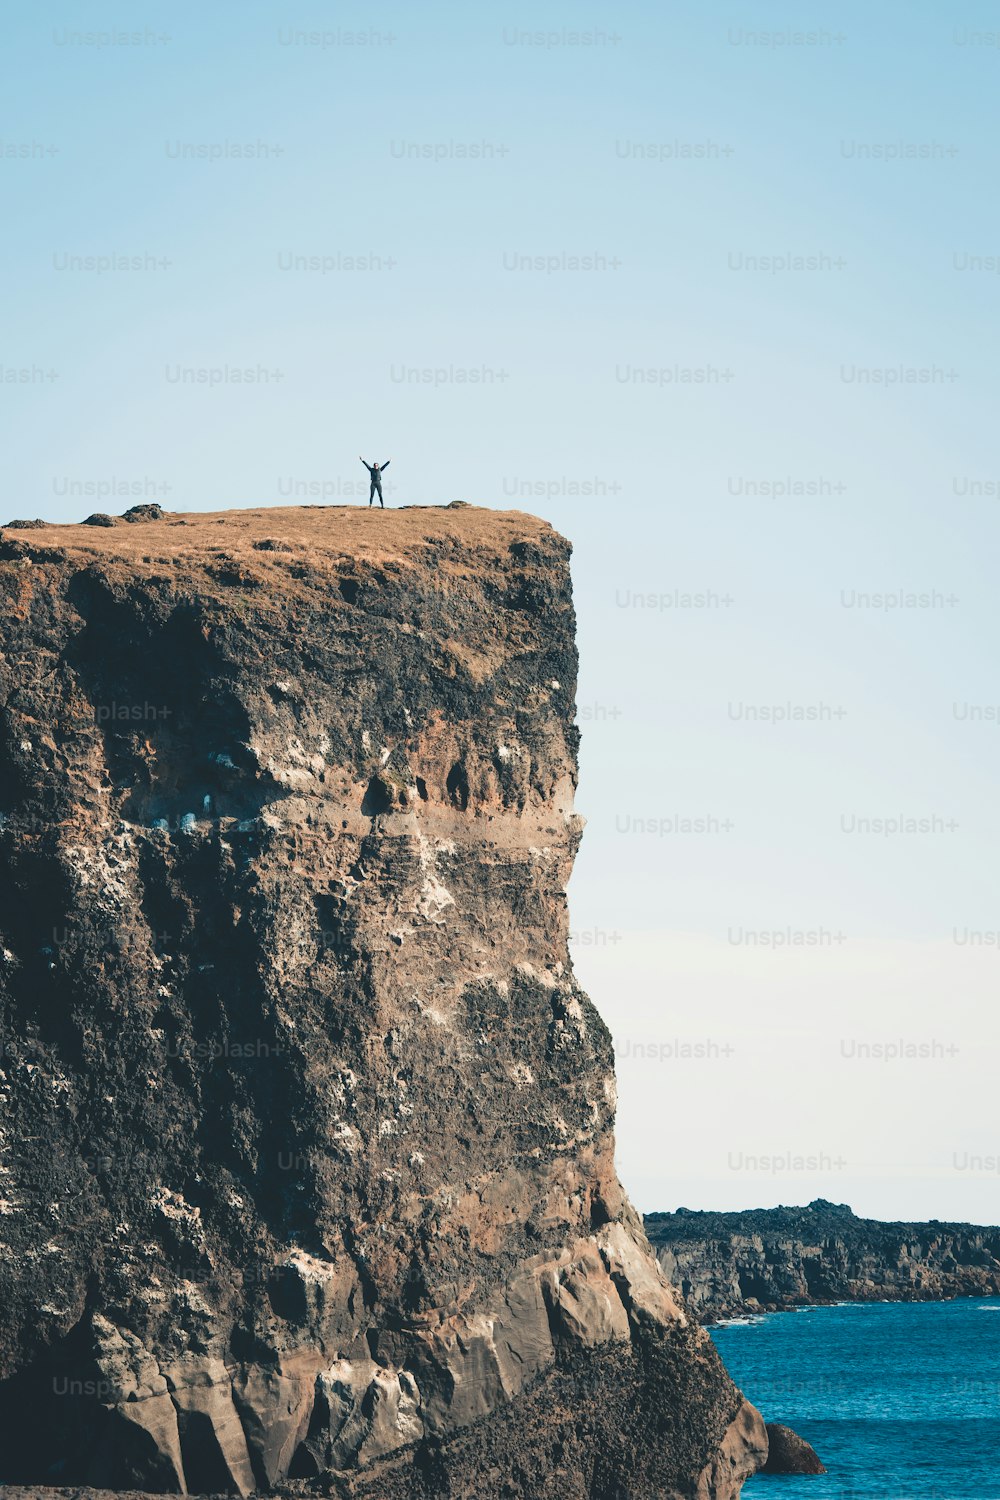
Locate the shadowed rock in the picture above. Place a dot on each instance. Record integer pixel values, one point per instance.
(787, 1453)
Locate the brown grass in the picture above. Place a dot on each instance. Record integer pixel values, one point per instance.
(223, 541)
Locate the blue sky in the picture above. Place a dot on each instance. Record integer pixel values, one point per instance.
(456, 145)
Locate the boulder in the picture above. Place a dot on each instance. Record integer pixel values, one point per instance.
(787, 1453)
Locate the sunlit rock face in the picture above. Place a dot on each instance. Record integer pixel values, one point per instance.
(306, 1169)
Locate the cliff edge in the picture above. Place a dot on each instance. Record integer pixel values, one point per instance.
(306, 1164)
(769, 1259)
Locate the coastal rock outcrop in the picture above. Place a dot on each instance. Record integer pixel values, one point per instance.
(788, 1453)
(307, 1156)
(728, 1264)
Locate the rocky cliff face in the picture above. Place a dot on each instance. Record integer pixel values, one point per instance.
(768, 1259)
(306, 1168)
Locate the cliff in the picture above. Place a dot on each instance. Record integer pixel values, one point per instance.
(762, 1260)
(306, 1171)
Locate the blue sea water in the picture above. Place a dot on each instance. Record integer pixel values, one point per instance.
(900, 1401)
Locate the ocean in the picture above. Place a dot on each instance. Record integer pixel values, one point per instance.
(900, 1400)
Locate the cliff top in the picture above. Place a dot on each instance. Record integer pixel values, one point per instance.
(147, 535)
(819, 1216)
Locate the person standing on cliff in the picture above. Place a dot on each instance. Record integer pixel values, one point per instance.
(375, 474)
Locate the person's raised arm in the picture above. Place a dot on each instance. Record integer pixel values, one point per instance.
(387, 463)
(367, 466)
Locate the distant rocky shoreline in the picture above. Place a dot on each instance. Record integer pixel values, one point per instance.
(771, 1259)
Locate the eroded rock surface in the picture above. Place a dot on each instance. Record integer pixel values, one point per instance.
(306, 1169)
(769, 1259)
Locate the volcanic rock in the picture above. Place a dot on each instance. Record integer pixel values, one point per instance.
(727, 1264)
(787, 1453)
(307, 1158)
(143, 513)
